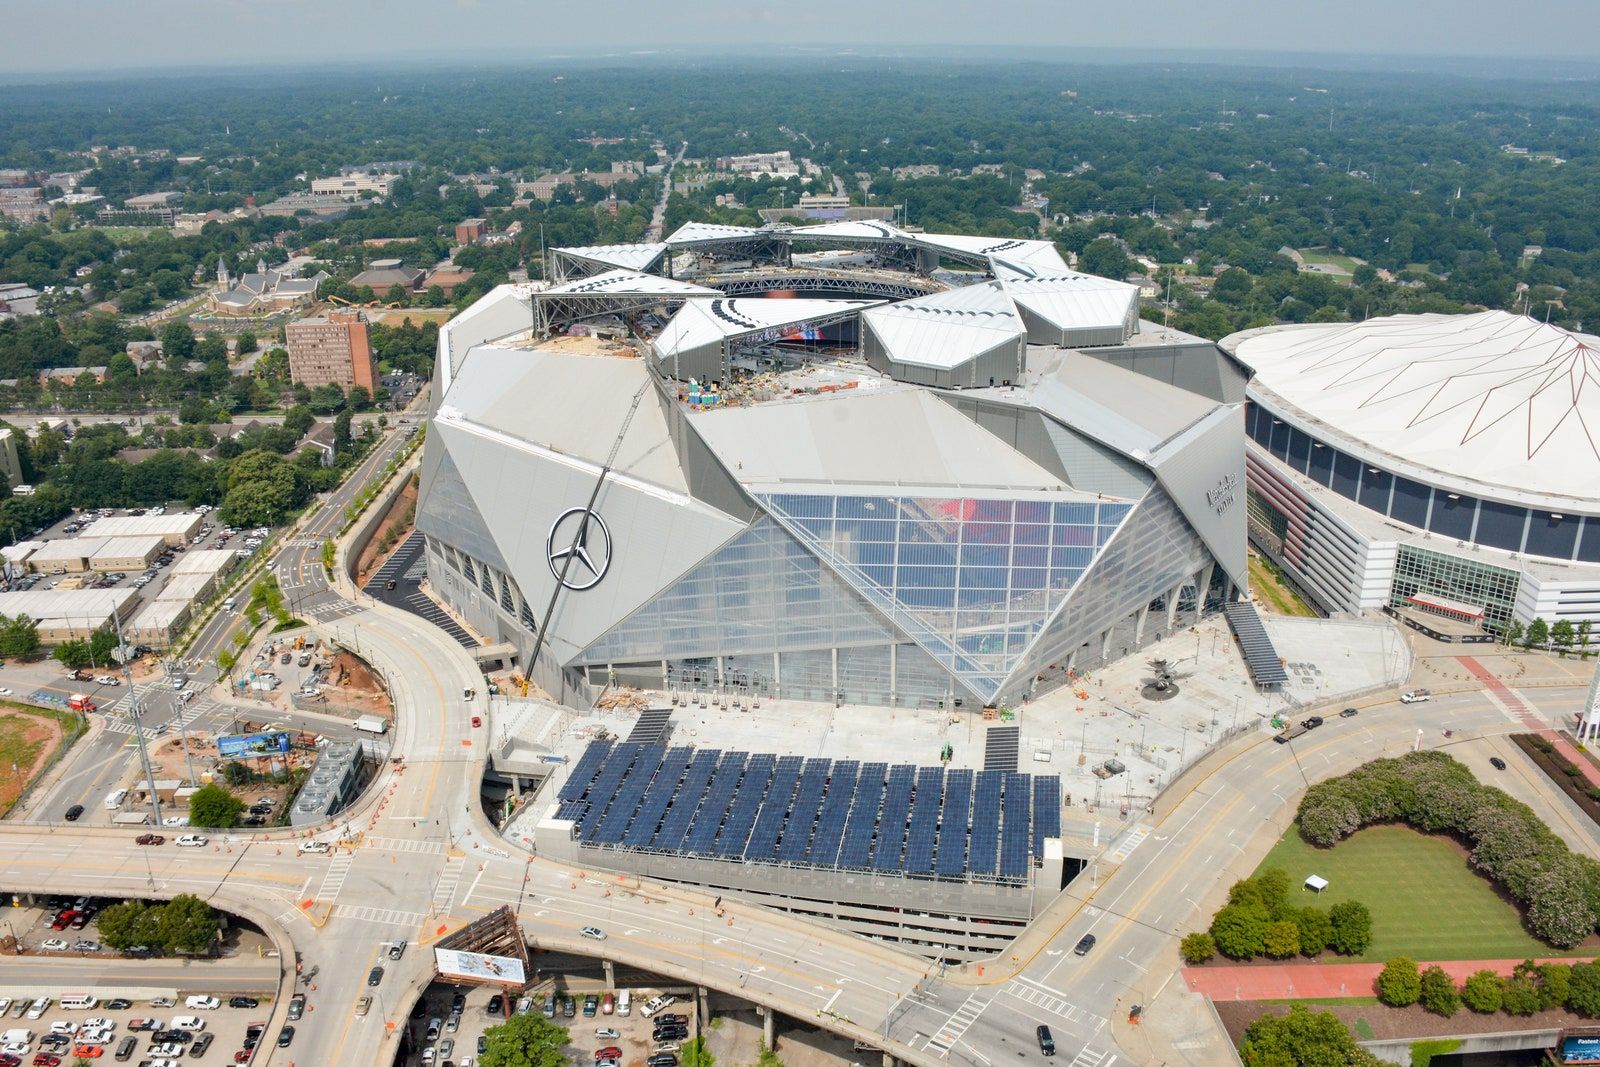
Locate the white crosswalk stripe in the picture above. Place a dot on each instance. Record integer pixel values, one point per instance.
(333, 880)
(1056, 1005)
(398, 844)
(445, 891)
(1132, 841)
(386, 916)
(960, 1022)
(1093, 1057)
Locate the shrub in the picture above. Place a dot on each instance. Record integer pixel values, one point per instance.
(1245, 891)
(1282, 939)
(1439, 993)
(1316, 929)
(1274, 885)
(1542, 745)
(1583, 989)
(1326, 823)
(1240, 930)
(1519, 994)
(1555, 980)
(1483, 991)
(1352, 928)
(1557, 910)
(1399, 984)
(1571, 770)
(1198, 948)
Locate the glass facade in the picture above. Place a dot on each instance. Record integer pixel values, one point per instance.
(1421, 570)
(1491, 523)
(970, 580)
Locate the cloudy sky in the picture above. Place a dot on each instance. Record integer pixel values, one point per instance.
(107, 35)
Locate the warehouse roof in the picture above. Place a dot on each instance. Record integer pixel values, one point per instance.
(139, 525)
(79, 606)
(122, 547)
(205, 561)
(64, 548)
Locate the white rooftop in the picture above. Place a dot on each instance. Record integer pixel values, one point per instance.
(695, 232)
(702, 322)
(946, 329)
(1070, 300)
(627, 257)
(1493, 402)
(81, 607)
(142, 525)
(629, 283)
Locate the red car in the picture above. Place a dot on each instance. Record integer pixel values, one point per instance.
(64, 919)
(46, 1059)
(477, 721)
(88, 1052)
(148, 839)
(242, 1056)
(610, 1052)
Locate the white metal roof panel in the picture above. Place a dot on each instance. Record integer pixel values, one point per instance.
(628, 283)
(858, 230)
(627, 257)
(1074, 301)
(697, 232)
(946, 329)
(701, 322)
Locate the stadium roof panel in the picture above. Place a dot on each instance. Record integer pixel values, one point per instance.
(1494, 403)
(859, 230)
(627, 283)
(946, 329)
(1073, 301)
(635, 257)
(698, 232)
(702, 322)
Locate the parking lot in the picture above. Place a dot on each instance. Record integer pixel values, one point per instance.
(38, 1027)
(458, 1032)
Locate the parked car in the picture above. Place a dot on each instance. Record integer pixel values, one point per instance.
(243, 1002)
(297, 1006)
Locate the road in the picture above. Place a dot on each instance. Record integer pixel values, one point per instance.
(246, 974)
(659, 217)
(427, 861)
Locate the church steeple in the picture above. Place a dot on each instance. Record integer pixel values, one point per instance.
(222, 272)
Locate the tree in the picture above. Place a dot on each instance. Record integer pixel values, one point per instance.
(1521, 993)
(1513, 632)
(1316, 929)
(341, 434)
(177, 343)
(1281, 939)
(695, 1054)
(524, 1041)
(1399, 984)
(1483, 991)
(1352, 928)
(360, 398)
(1562, 634)
(1302, 1037)
(1232, 286)
(1240, 930)
(1274, 884)
(1106, 258)
(1197, 948)
(1538, 634)
(19, 637)
(213, 806)
(1583, 637)
(1439, 994)
(130, 923)
(187, 924)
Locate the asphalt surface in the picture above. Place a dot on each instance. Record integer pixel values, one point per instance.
(427, 861)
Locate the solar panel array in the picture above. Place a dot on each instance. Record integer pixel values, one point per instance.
(1259, 655)
(828, 814)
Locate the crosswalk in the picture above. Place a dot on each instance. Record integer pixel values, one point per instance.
(445, 891)
(1040, 997)
(385, 916)
(400, 844)
(1132, 840)
(960, 1022)
(1093, 1057)
(333, 879)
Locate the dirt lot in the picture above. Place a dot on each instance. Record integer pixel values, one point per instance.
(402, 513)
(354, 683)
(26, 743)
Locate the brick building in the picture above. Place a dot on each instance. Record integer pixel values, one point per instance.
(331, 348)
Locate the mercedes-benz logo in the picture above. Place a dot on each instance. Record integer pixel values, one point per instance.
(581, 534)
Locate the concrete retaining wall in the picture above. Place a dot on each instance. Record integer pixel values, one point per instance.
(1505, 1041)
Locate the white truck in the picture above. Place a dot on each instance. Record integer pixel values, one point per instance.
(1415, 696)
(372, 724)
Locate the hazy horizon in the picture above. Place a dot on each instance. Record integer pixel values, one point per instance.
(111, 37)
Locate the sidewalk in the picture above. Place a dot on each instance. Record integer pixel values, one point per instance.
(1296, 981)
(1524, 714)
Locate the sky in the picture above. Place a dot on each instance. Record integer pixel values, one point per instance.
(120, 35)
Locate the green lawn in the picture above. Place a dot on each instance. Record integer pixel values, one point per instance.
(1322, 256)
(1426, 902)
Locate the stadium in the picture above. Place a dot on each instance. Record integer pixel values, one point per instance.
(946, 474)
(1443, 468)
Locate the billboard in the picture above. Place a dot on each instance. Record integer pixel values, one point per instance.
(478, 967)
(1585, 1049)
(250, 746)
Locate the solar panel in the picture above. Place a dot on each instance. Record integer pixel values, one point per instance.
(985, 841)
(746, 803)
(605, 787)
(952, 855)
(1259, 654)
(708, 820)
(1046, 810)
(824, 850)
(572, 809)
(892, 822)
(774, 809)
(804, 811)
(584, 770)
(684, 803)
(924, 820)
(856, 849)
(1014, 828)
(651, 726)
(662, 789)
(629, 794)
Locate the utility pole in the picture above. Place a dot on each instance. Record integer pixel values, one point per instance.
(136, 711)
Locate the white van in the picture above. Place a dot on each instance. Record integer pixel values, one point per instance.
(39, 1007)
(192, 1023)
(200, 1002)
(16, 1036)
(624, 1003)
(115, 798)
(191, 841)
(79, 1002)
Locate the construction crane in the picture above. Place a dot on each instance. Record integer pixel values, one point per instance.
(583, 525)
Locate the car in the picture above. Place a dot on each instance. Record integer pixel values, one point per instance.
(435, 1025)
(63, 1027)
(397, 950)
(608, 1004)
(74, 813)
(53, 944)
(363, 1005)
(63, 919)
(1312, 723)
(243, 1002)
(79, 921)
(453, 1022)
(1349, 713)
(494, 1006)
(200, 1002)
(117, 1004)
(314, 848)
(48, 1059)
(285, 658)
(88, 1052)
(200, 1045)
(107, 679)
(483, 1044)
(375, 976)
(656, 1003)
(593, 932)
(167, 1048)
(447, 1046)
(86, 945)
(673, 1020)
(477, 721)
(242, 1056)
(1415, 696)
(1497, 763)
(550, 1006)
(1047, 1043)
(297, 1006)
(607, 1063)
(285, 1037)
(192, 841)
(610, 1052)
(667, 1048)
(1085, 943)
(569, 1007)
(676, 1032)
(149, 839)
(140, 1025)
(662, 1058)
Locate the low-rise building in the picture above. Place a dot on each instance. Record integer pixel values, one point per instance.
(469, 230)
(352, 186)
(383, 274)
(65, 555)
(158, 623)
(126, 554)
(177, 528)
(69, 615)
